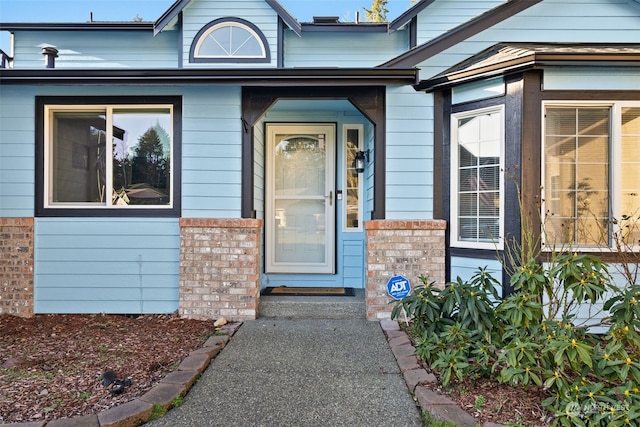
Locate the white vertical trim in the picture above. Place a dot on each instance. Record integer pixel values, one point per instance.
(345, 172)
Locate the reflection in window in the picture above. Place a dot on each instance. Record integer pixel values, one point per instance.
(353, 180)
(577, 172)
(588, 201)
(477, 156)
(109, 157)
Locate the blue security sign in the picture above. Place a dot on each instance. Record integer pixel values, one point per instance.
(398, 287)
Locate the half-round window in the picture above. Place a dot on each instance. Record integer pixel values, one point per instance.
(229, 40)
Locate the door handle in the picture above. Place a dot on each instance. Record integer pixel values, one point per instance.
(330, 198)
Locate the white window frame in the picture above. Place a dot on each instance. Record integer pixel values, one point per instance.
(346, 170)
(498, 243)
(108, 109)
(205, 36)
(615, 178)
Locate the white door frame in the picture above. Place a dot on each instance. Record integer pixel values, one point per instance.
(275, 224)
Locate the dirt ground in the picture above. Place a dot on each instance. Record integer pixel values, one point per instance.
(488, 400)
(51, 366)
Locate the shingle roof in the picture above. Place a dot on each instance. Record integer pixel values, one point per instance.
(504, 58)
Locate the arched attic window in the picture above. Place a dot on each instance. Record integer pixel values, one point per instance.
(229, 40)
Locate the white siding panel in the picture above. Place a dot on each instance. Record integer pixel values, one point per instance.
(97, 49)
(101, 265)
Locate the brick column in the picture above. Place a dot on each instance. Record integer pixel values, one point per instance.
(219, 268)
(16, 266)
(405, 248)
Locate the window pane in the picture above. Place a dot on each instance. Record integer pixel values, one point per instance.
(630, 186)
(560, 121)
(563, 147)
(78, 157)
(353, 179)
(141, 157)
(577, 175)
(467, 205)
(300, 164)
(593, 121)
(468, 229)
(479, 140)
(229, 40)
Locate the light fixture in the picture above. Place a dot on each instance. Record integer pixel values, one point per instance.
(359, 160)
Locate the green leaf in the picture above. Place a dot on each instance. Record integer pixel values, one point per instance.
(584, 352)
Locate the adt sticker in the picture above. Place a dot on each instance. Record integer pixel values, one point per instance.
(398, 287)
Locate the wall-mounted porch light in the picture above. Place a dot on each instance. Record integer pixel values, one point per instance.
(360, 160)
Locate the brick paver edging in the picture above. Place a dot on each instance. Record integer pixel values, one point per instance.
(420, 382)
(173, 385)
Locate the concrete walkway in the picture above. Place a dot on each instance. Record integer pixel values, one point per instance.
(300, 373)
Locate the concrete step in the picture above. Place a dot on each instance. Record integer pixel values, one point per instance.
(313, 307)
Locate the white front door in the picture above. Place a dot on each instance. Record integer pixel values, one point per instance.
(300, 214)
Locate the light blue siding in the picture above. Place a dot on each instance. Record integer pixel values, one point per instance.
(199, 13)
(211, 152)
(466, 267)
(592, 79)
(347, 49)
(570, 21)
(97, 49)
(443, 15)
(353, 263)
(409, 154)
(17, 176)
(478, 90)
(103, 265)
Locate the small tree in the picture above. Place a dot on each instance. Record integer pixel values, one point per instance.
(378, 11)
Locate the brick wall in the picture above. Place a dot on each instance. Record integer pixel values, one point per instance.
(219, 268)
(404, 248)
(16, 266)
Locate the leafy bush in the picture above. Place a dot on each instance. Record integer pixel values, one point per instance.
(529, 338)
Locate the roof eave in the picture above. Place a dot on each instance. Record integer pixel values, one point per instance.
(408, 15)
(530, 62)
(462, 32)
(286, 17)
(265, 77)
(168, 16)
(345, 27)
(74, 26)
(177, 7)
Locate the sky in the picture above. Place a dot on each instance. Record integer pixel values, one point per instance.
(151, 10)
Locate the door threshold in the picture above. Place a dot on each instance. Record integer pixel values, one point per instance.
(305, 291)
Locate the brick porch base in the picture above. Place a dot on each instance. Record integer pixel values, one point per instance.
(16, 266)
(404, 248)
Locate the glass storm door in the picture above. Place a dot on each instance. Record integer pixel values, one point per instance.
(300, 198)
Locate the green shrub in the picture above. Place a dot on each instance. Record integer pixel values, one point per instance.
(529, 338)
